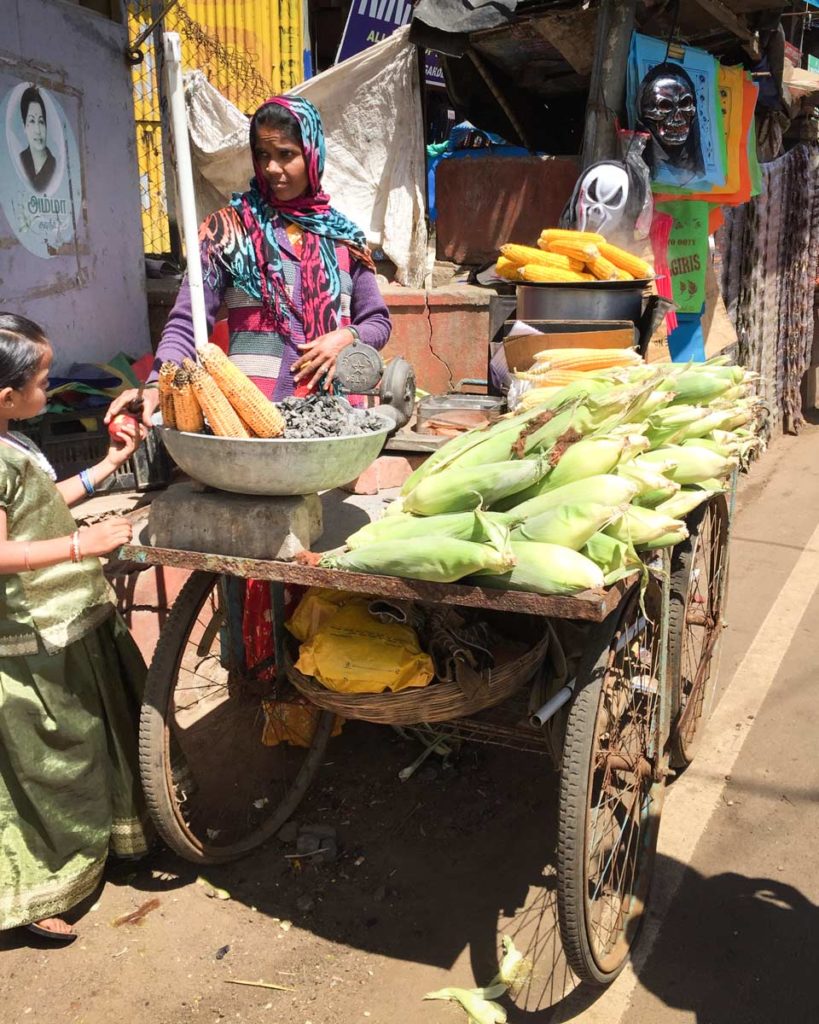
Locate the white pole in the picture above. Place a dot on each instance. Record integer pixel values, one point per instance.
(184, 180)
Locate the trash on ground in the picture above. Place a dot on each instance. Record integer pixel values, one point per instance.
(138, 916)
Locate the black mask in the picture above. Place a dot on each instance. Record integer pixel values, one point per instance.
(667, 110)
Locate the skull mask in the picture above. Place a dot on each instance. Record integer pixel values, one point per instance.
(601, 197)
(669, 107)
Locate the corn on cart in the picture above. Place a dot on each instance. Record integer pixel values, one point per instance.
(618, 718)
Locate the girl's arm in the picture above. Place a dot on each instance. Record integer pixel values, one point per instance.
(22, 556)
(73, 489)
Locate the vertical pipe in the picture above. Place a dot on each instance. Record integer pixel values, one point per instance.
(607, 89)
(184, 180)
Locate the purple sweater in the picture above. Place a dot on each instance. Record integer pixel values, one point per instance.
(368, 314)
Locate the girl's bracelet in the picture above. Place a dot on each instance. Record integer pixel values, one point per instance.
(87, 482)
(76, 556)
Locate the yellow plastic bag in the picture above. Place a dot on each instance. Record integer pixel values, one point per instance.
(296, 724)
(355, 653)
(315, 609)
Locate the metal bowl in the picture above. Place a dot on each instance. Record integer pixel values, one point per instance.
(274, 466)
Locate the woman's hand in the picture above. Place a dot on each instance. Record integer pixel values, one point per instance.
(318, 357)
(150, 403)
(104, 537)
(130, 435)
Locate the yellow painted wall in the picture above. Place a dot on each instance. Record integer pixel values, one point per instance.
(248, 49)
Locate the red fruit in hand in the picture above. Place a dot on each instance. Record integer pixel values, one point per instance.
(118, 422)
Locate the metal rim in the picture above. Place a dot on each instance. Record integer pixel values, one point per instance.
(610, 286)
(385, 429)
(624, 791)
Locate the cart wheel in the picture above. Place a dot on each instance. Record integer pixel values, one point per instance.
(213, 789)
(699, 571)
(611, 792)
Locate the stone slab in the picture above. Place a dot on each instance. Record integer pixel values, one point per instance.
(246, 526)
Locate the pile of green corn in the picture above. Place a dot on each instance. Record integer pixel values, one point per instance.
(569, 494)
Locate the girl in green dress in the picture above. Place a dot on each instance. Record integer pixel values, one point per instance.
(70, 674)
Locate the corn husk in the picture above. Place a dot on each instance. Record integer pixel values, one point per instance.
(691, 463)
(638, 526)
(668, 540)
(545, 569)
(654, 485)
(569, 525)
(461, 489)
(434, 559)
(685, 501)
(695, 386)
(479, 1009)
(589, 457)
(605, 489)
(460, 526)
(615, 558)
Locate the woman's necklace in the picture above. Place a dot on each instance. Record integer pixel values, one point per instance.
(22, 444)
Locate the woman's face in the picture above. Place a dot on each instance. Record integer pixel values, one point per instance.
(35, 127)
(282, 163)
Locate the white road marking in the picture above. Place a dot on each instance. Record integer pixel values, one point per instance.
(692, 801)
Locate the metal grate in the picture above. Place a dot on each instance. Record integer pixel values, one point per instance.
(247, 53)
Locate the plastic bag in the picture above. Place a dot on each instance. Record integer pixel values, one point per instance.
(296, 724)
(352, 652)
(314, 610)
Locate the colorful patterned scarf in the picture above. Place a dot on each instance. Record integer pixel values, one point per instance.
(249, 250)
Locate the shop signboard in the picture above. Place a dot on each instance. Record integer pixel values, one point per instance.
(371, 21)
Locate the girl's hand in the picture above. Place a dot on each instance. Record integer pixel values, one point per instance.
(319, 357)
(104, 537)
(150, 403)
(130, 436)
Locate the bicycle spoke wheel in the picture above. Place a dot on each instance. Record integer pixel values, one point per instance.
(612, 780)
(215, 789)
(698, 582)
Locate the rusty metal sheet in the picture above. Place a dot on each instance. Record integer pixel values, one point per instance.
(486, 202)
(591, 606)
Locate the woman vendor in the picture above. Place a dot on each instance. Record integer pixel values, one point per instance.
(295, 273)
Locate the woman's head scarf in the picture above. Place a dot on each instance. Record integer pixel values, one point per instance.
(254, 262)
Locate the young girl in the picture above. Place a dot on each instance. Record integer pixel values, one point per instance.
(70, 675)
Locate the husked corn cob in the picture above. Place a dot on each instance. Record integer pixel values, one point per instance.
(604, 270)
(186, 408)
(548, 378)
(167, 372)
(563, 234)
(261, 415)
(638, 268)
(507, 269)
(583, 251)
(539, 274)
(524, 255)
(588, 358)
(221, 416)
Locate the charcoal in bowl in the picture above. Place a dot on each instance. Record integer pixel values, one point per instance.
(324, 416)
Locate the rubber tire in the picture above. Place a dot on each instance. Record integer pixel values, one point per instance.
(682, 565)
(572, 820)
(159, 686)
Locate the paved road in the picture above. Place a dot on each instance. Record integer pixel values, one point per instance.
(735, 936)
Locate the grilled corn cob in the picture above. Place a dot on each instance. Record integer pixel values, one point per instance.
(523, 255)
(576, 250)
(506, 269)
(604, 270)
(261, 416)
(633, 265)
(539, 274)
(167, 372)
(186, 408)
(564, 235)
(222, 418)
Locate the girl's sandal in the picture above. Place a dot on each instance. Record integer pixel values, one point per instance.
(61, 938)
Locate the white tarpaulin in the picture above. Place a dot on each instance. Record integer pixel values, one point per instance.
(371, 109)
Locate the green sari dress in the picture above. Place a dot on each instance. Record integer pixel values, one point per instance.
(70, 685)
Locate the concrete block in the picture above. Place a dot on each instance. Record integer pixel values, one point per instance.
(243, 525)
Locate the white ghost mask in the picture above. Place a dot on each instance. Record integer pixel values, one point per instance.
(600, 199)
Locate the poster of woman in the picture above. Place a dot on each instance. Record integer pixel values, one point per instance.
(40, 173)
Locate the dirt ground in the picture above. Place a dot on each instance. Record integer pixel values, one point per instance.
(429, 874)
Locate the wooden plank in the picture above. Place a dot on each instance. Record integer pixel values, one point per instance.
(733, 22)
(591, 606)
